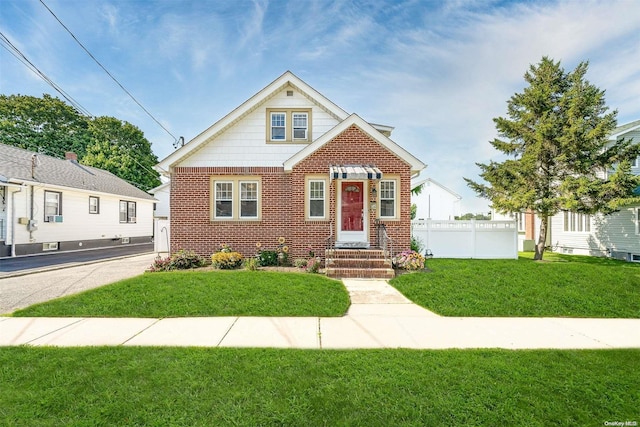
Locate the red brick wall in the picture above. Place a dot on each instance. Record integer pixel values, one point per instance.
(283, 202)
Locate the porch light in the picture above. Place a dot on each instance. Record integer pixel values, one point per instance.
(374, 192)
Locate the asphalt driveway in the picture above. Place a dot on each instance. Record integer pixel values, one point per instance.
(19, 290)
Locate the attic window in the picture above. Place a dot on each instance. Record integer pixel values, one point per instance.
(278, 126)
(288, 125)
(289, 93)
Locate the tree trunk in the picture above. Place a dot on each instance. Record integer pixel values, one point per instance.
(542, 238)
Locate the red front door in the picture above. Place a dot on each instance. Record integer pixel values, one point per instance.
(352, 206)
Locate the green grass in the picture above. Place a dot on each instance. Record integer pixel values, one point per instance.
(559, 286)
(209, 293)
(269, 387)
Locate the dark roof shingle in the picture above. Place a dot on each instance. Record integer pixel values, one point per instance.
(16, 165)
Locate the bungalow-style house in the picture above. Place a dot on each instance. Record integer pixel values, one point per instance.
(615, 235)
(50, 205)
(290, 169)
(435, 201)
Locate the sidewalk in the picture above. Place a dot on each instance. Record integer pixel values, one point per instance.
(379, 317)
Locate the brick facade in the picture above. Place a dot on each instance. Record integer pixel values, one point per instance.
(283, 202)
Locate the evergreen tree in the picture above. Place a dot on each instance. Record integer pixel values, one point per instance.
(558, 154)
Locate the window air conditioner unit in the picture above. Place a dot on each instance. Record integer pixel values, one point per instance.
(132, 219)
(54, 218)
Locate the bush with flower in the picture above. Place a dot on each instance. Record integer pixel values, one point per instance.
(409, 260)
(226, 258)
(180, 260)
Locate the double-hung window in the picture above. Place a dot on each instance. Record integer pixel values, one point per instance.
(388, 200)
(248, 199)
(278, 126)
(235, 198)
(317, 198)
(52, 205)
(300, 125)
(127, 212)
(94, 205)
(288, 125)
(224, 199)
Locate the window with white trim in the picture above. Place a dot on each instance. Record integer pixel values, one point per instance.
(278, 126)
(235, 198)
(287, 125)
(94, 205)
(223, 199)
(248, 199)
(127, 212)
(316, 199)
(52, 204)
(577, 222)
(387, 198)
(300, 125)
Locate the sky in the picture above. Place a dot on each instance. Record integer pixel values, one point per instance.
(437, 71)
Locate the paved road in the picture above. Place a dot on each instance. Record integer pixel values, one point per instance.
(23, 263)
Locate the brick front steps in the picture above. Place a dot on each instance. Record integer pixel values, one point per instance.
(358, 263)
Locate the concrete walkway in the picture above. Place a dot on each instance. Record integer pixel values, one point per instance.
(379, 317)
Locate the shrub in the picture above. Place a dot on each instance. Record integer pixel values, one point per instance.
(251, 264)
(409, 260)
(300, 263)
(313, 265)
(268, 258)
(226, 260)
(181, 260)
(416, 244)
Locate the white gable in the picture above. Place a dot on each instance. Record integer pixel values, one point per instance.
(252, 114)
(244, 143)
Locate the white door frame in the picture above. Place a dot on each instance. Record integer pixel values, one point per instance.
(352, 236)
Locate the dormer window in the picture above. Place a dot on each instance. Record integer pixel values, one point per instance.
(289, 125)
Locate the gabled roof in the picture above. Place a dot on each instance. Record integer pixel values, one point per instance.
(19, 166)
(424, 181)
(354, 119)
(286, 79)
(621, 130)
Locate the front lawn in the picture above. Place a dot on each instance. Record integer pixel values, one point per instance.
(271, 387)
(558, 286)
(204, 293)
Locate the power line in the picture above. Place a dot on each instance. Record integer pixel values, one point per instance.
(12, 49)
(108, 73)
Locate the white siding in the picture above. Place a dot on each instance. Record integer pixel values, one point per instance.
(244, 143)
(78, 223)
(611, 233)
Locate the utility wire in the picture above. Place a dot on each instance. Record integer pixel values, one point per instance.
(108, 73)
(12, 49)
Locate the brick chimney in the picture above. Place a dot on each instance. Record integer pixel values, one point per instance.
(69, 155)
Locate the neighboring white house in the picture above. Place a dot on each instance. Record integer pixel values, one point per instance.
(616, 235)
(49, 204)
(435, 201)
(161, 215)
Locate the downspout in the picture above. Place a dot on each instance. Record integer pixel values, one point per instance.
(13, 221)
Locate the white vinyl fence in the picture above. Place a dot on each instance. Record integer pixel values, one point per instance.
(467, 239)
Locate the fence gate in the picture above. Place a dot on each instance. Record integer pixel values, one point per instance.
(161, 235)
